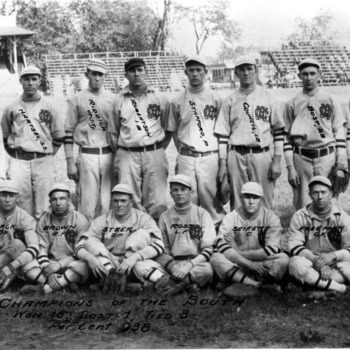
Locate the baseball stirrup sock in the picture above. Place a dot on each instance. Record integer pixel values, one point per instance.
(153, 275)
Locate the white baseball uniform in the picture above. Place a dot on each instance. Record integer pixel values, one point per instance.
(252, 127)
(30, 130)
(192, 118)
(87, 126)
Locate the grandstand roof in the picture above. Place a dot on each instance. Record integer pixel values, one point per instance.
(15, 31)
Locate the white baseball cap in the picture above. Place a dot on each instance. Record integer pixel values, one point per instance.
(123, 188)
(181, 179)
(252, 188)
(59, 187)
(30, 70)
(307, 62)
(320, 179)
(195, 59)
(9, 186)
(245, 59)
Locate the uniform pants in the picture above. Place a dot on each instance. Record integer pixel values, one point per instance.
(340, 271)
(203, 172)
(250, 167)
(34, 179)
(146, 173)
(306, 169)
(275, 267)
(95, 182)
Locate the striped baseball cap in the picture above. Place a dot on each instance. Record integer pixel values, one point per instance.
(96, 65)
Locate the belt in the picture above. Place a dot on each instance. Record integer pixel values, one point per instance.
(154, 147)
(314, 153)
(245, 150)
(96, 150)
(27, 155)
(190, 153)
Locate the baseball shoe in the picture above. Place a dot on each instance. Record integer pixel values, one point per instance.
(240, 290)
(134, 288)
(148, 286)
(267, 288)
(322, 295)
(7, 275)
(191, 288)
(32, 289)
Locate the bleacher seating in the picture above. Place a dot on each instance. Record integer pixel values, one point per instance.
(159, 65)
(333, 60)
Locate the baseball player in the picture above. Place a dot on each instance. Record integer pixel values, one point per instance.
(315, 138)
(58, 229)
(188, 235)
(87, 126)
(248, 243)
(33, 132)
(193, 114)
(319, 241)
(122, 242)
(137, 132)
(250, 129)
(19, 243)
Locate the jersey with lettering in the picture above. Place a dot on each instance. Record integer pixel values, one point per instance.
(58, 237)
(87, 118)
(192, 117)
(187, 234)
(113, 233)
(262, 232)
(250, 120)
(19, 225)
(308, 231)
(138, 122)
(315, 121)
(32, 126)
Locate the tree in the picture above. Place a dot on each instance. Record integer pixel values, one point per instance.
(212, 19)
(318, 28)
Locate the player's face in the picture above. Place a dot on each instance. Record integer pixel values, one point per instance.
(8, 202)
(180, 194)
(196, 75)
(309, 77)
(60, 201)
(30, 84)
(251, 203)
(136, 77)
(96, 80)
(246, 73)
(321, 197)
(121, 204)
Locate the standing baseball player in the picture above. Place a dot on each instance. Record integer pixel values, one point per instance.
(137, 132)
(248, 243)
(315, 137)
(193, 114)
(319, 241)
(87, 126)
(122, 242)
(58, 229)
(33, 132)
(188, 235)
(19, 243)
(250, 129)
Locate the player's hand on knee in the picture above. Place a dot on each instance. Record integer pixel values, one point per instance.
(129, 263)
(325, 273)
(258, 267)
(182, 270)
(53, 281)
(293, 177)
(51, 268)
(96, 266)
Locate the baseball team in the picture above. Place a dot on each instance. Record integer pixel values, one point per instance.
(229, 150)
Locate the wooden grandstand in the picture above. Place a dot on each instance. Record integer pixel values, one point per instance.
(160, 65)
(334, 60)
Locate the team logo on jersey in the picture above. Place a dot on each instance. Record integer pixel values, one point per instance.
(326, 111)
(19, 234)
(70, 236)
(195, 231)
(45, 117)
(210, 112)
(153, 111)
(332, 232)
(262, 113)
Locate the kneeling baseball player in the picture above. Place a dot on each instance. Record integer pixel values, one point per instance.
(319, 241)
(19, 243)
(58, 229)
(248, 243)
(188, 235)
(120, 244)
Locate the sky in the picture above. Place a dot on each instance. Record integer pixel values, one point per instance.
(266, 23)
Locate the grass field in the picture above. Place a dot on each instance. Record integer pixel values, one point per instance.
(270, 320)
